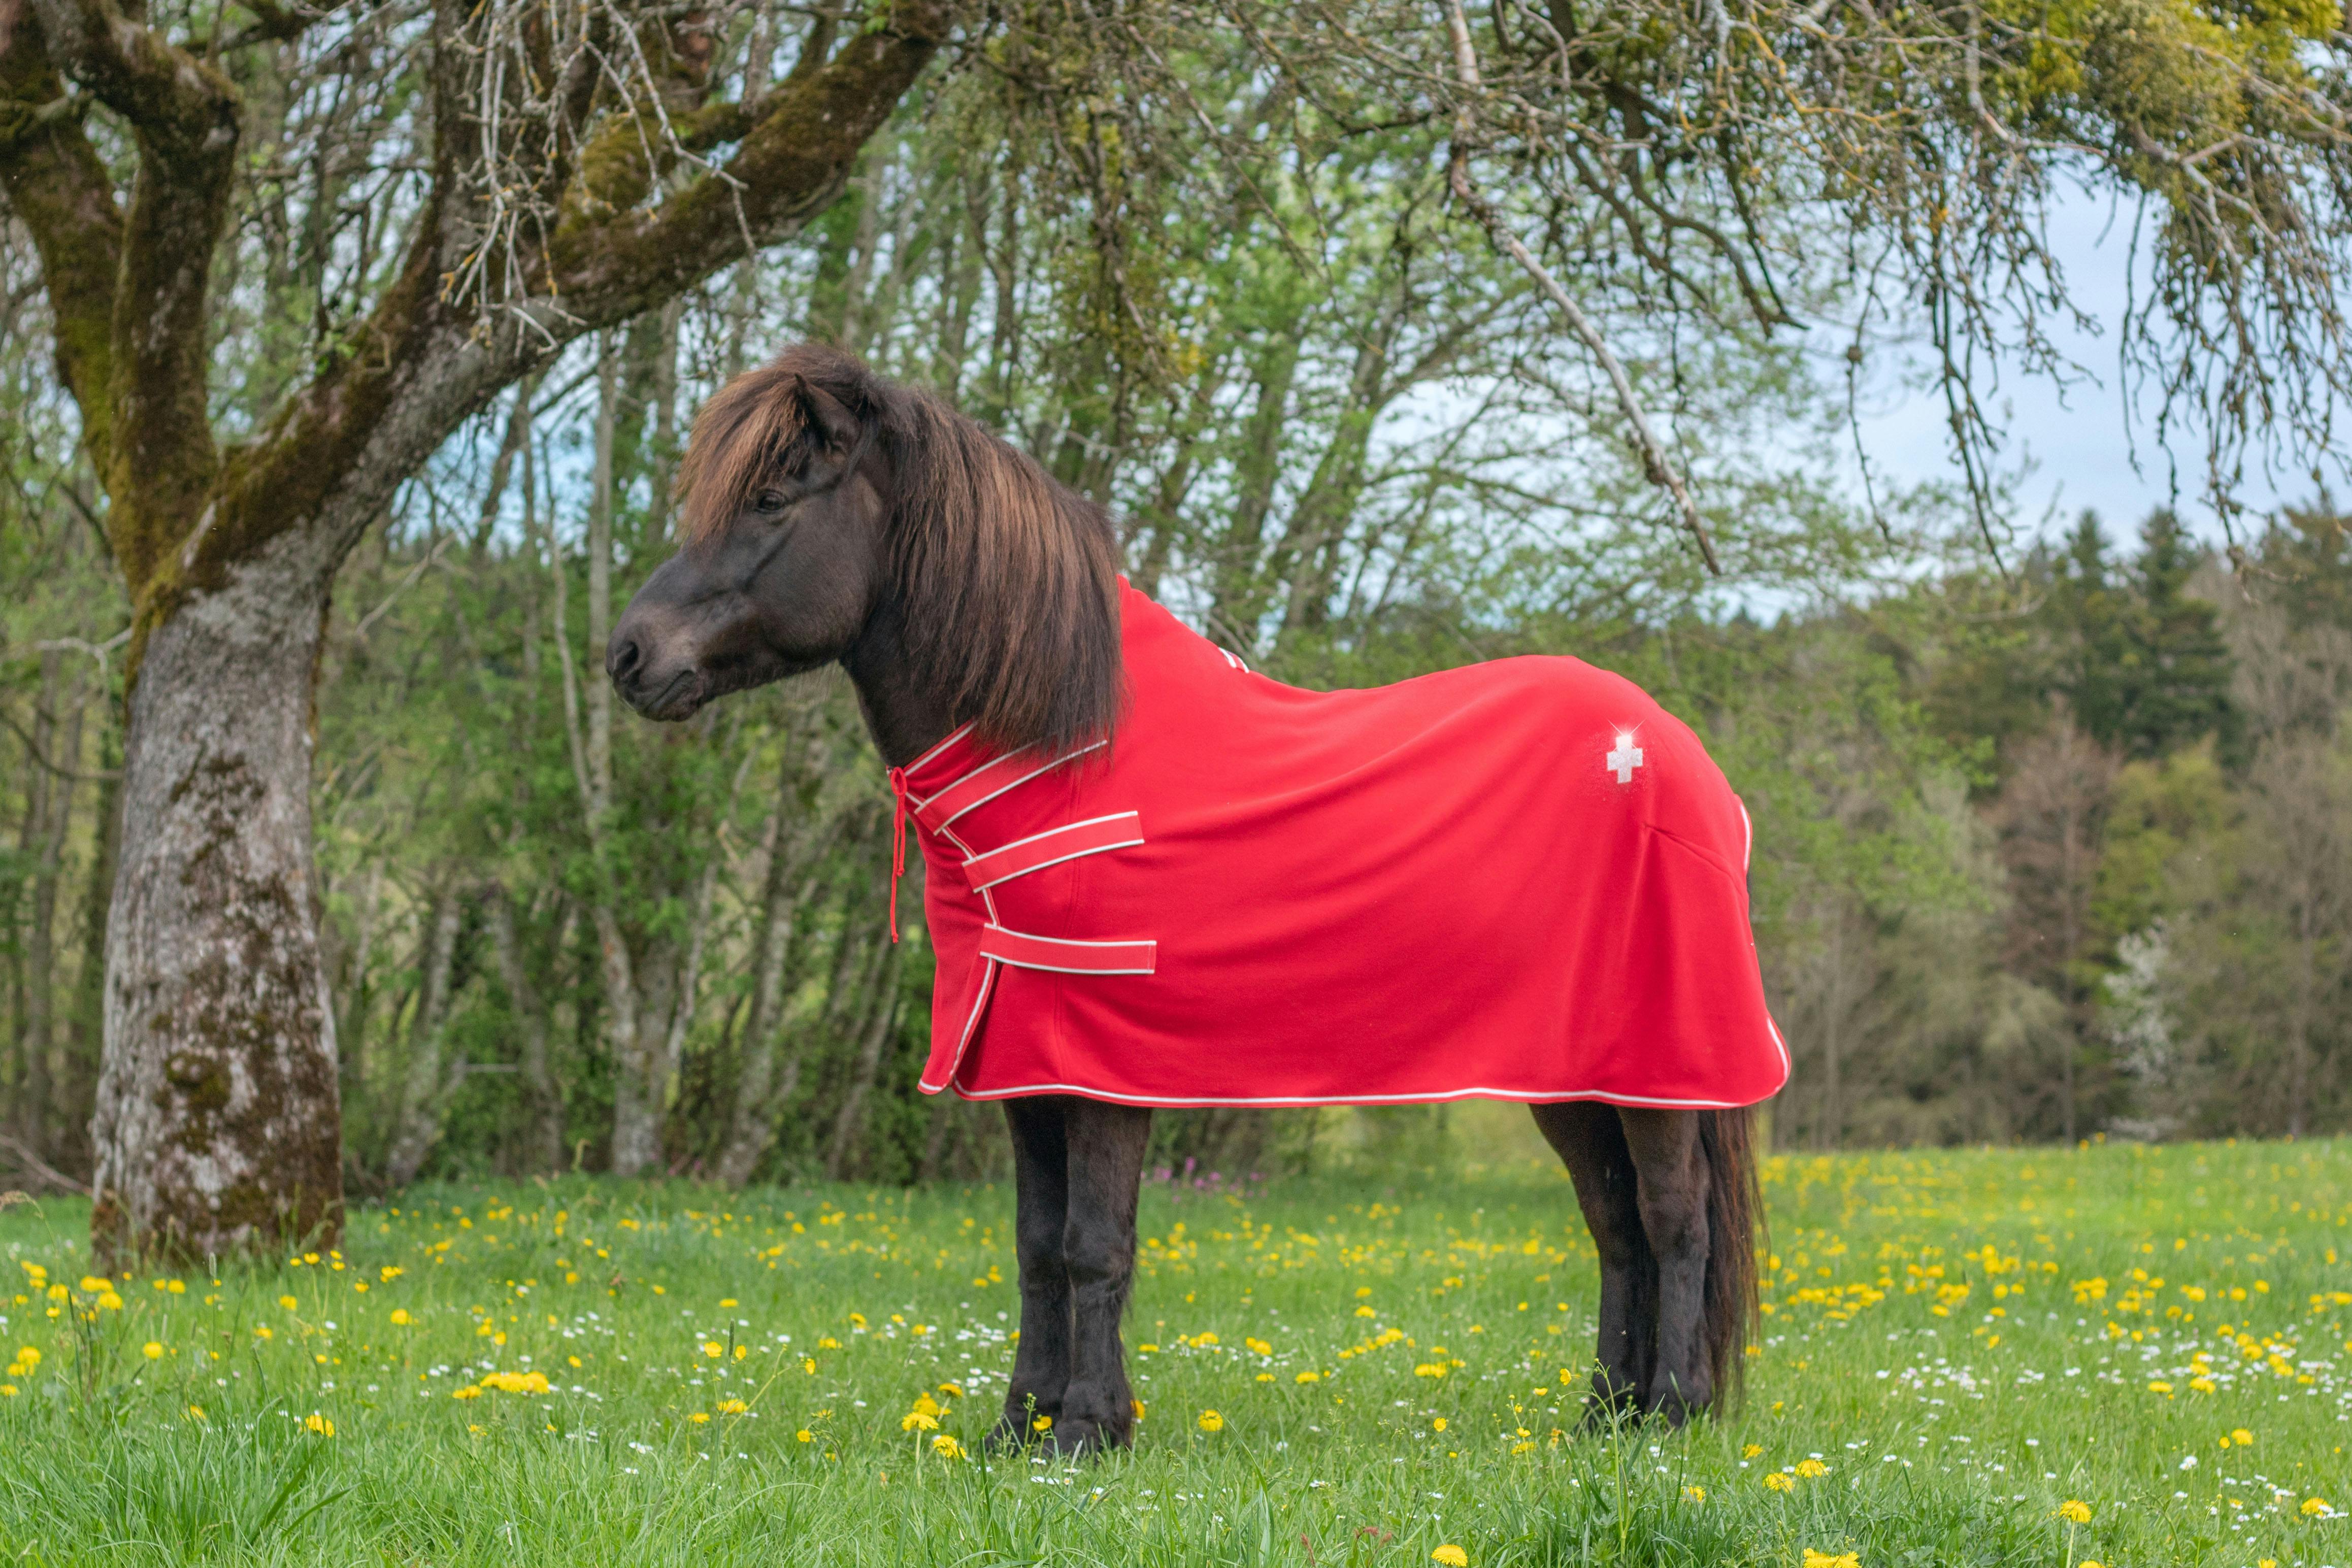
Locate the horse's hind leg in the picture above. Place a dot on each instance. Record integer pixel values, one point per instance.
(1671, 1160)
(1107, 1144)
(1591, 1143)
(1041, 1366)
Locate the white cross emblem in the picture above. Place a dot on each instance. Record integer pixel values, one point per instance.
(1625, 759)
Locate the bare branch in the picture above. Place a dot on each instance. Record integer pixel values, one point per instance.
(1655, 463)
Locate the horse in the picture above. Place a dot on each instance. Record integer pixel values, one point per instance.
(831, 517)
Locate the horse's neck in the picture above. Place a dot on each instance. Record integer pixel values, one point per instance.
(905, 720)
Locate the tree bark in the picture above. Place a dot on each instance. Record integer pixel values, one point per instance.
(544, 1141)
(884, 985)
(424, 1096)
(765, 1085)
(218, 1127)
(77, 1088)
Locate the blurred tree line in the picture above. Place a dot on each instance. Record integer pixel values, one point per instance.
(2047, 846)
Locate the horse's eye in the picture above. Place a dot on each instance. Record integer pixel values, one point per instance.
(769, 501)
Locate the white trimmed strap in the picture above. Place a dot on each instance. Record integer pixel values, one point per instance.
(1117, 831)
(1068, 958)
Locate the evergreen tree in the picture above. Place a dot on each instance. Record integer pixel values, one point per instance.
(2140, 662)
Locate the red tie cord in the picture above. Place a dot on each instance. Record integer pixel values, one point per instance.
(897, 841)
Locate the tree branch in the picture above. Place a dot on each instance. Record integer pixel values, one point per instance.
(791, 165)
(1655, 463)
(159, 457)
(60, 192)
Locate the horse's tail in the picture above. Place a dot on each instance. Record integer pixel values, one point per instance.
(1735, 1213)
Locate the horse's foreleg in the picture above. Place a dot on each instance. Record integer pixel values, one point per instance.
(1041, 1366)
(1672, 1165)
(1105, 1168)
(1590, 1143)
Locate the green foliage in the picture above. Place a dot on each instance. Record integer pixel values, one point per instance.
(1957, 1345)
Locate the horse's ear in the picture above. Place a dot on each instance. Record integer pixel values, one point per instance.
(832, 430)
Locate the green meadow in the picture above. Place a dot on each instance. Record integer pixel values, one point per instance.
(2120, 1356)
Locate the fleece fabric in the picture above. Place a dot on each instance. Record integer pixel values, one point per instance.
(1520, 880)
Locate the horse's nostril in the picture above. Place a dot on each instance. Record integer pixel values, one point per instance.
(622, 661)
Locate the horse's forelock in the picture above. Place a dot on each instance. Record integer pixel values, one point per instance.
(753, 424)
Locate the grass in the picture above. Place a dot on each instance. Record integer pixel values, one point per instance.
(1957, 1344)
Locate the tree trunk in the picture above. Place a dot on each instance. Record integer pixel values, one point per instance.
(218, 1126)
(884, 986)
(77, 1088)
(545, 1137)
(763, 1085)
(424, 1096)
(37, 842)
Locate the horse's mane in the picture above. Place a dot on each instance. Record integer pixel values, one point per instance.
(1007, 580)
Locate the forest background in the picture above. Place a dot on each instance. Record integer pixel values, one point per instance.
(2055, 830)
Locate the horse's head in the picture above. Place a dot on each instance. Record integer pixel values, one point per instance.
(830, 515)
(785, 511)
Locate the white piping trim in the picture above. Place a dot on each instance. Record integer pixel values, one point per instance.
(957, 733)
(1058, 859)
(1009, 784)
(1059, 969)
(1524, 1096)
(1747, 835)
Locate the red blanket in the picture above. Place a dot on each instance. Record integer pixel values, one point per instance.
(1522, 879)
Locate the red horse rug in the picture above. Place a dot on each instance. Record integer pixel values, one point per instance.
(1523, 880)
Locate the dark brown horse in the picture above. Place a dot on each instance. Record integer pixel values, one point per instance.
(830, 515)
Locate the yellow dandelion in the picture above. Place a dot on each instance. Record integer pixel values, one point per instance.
(1808, 1469)
(8, 1391)
(319, 1423)
(1211, 1422)
(1831, 1560)
(732, 1406)
(195, 1412)
(152, 1351)
(917, 1421)
(1309, 1377)
(468, 1392)
(1695, 1494)
(2314, 1505)
(1778, 1480)
(804, 1435)
(701, 1417)
(2075, 1512)
(400, 1317)
(1453, 1556)
(1438, 1425)
(1751, 1450)
(288, 1302)
(947, 1447)
(711, 1347)
(1138, 1405)
(2242, 1437)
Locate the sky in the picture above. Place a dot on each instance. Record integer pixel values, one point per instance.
(2079, 440)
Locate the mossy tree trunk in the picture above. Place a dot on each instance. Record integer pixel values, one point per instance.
(217, 1124)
